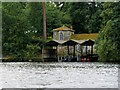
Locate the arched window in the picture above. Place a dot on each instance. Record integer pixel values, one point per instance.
(61, 36)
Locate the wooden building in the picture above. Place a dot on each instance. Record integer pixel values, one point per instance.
(63, 34)
(68, 44)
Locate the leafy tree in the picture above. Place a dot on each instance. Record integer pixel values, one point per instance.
(94, 18)
(78, 13)
(53, 17)
(34, 14)
(16, 31)
(82, 16)
(65, 8)
(23, 28)
(109, 37)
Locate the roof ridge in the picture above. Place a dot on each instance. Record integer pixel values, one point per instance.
(84, 36)
(85, 33)
(63, 28)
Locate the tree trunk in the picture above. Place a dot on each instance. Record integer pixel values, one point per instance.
(44, 20)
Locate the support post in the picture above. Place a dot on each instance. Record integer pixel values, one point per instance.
(91, 50)
(81, 51)
(68, 49)
(74, 51)
(56, 51)
(86, 50)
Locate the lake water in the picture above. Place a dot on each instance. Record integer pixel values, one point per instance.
(58, 75)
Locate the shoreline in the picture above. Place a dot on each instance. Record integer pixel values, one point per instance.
(41, 60)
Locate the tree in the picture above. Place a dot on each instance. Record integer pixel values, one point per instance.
(65, 13)
(44, 20)
(82, 16)
(94, 18)
(78, 13)
(16, 32)
(34, 13)
(53, 17)
(108, 40)
(23, 28)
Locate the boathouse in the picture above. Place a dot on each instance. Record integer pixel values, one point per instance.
(67, 43)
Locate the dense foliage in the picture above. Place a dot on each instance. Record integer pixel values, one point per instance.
(23, 26)
(109, 36)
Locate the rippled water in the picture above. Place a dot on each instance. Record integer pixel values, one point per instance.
(58, 75)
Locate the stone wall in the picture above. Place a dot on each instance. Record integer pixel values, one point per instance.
(66, 35)
(56, 35)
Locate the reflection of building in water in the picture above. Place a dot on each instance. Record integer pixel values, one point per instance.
(64, 34)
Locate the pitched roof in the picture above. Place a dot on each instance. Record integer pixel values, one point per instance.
(84, 36)
(60, 41)
(52, 43)
(63, 28)
(70, 43)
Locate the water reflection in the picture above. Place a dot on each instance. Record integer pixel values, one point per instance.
(58, 75)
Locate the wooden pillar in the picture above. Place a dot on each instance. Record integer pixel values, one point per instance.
(74, 51)
(81, 51)
(86, 50)
(91, 50)
(56, 49)
(68, 49)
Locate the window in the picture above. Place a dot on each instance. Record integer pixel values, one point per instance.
(61, 36)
